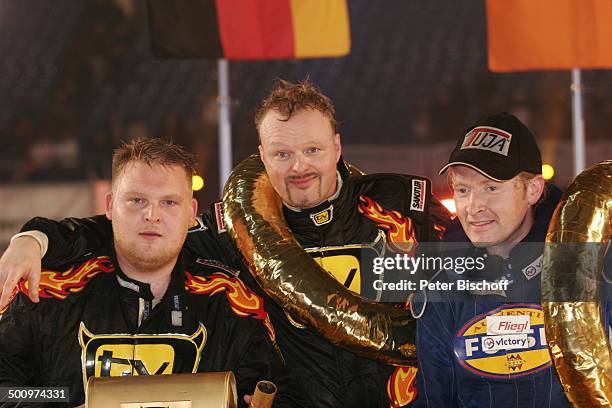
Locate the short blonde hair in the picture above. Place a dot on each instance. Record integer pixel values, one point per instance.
(152, 151)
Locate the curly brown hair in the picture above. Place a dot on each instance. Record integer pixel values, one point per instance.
(288, 98)
(152, 151)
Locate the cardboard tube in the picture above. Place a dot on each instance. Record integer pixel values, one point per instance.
(264, 394)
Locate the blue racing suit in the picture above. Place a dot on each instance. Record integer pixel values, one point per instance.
(461, 362)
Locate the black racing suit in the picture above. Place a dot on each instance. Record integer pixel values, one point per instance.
(93, 320)
(370, 215)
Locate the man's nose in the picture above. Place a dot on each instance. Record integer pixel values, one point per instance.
(299, 163)
(476, 203)
(152, 213)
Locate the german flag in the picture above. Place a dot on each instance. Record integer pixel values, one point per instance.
(249, 29)
(549, 34)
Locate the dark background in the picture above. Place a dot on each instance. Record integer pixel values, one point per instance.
(79, 76)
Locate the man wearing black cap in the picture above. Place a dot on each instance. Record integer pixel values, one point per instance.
(482, 343)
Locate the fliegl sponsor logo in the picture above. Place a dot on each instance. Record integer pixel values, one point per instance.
(522, 350)
(508, 324)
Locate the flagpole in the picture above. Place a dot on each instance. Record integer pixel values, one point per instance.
(577, 122)
(225, 124)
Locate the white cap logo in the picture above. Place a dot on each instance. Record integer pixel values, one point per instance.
(488, 138)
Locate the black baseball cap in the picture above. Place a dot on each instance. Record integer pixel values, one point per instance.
(499, 146)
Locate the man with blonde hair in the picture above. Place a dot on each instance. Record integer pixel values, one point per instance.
(138, 304)
(481, 343)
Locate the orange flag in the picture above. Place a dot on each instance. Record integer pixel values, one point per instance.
(549, 34)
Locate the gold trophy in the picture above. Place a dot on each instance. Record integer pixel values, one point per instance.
(204, 390)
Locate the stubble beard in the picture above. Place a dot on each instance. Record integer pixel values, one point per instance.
(147, 259)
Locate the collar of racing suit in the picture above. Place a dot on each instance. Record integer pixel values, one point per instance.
(132, 290)
(142, 289)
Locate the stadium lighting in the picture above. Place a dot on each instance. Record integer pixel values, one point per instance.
(449, 203)
(548, 171)
(197, 183)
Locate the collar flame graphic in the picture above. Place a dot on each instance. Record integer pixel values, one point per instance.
(400, 387)
(400, 232)
(242, 300)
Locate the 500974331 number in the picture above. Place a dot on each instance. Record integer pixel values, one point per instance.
(33, 394)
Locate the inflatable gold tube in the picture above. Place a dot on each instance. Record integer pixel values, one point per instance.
(308, 293)
(571, 276)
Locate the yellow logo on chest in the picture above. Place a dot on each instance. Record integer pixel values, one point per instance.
(323, 217)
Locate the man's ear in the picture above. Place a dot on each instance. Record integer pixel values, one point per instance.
(337, 146)
(535, 188)
(194, 209)
(109, 205)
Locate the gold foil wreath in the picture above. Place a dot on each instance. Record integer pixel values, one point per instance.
(577, 238)
(308, 293)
